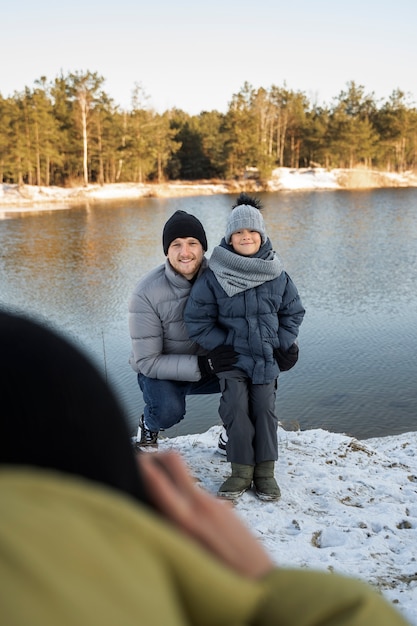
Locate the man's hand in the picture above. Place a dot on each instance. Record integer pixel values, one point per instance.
(212, 523)
(220, 359)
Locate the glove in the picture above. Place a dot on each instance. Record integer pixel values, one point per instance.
(286, 360)
(220, 359)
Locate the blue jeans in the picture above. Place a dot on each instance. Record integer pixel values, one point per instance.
(165, 399)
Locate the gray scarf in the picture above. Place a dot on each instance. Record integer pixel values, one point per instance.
(237, 273)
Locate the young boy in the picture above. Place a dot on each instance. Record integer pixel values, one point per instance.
(247, 300)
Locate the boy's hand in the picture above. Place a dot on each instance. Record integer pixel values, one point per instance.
(286, 359)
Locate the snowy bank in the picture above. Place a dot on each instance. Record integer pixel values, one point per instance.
(347, 506)
(320, 178)
(22, 197)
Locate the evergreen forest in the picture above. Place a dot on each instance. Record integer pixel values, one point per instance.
(69, 132)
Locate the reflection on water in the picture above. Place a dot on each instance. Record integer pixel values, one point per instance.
(351, 254)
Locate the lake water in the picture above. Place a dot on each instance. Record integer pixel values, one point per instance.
(352, 255)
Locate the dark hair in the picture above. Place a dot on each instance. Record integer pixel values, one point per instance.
(58, 412)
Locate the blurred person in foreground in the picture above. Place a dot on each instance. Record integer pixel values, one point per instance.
(91, 533)
(168, 364)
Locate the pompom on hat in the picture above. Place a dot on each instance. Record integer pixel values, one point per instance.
(246, 214)
(182, 224)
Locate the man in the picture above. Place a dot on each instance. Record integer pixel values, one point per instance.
(169, 365)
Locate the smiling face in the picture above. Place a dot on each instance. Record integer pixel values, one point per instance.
(246, 242)
(186, 255)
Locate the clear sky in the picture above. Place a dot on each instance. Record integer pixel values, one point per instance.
(195, 55)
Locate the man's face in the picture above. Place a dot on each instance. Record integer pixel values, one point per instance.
(185, 255)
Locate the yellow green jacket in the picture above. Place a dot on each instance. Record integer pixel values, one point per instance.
(73, 553)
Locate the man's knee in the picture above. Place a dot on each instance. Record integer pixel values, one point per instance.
(164, 403)
(168, 416)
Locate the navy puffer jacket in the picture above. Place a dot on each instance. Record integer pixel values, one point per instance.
(254, 322)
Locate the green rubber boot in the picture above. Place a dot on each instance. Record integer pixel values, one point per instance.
(239, 482)
(266, 486)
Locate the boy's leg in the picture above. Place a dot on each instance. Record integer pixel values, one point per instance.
(264, 418)
(234, 412)
(266, 441)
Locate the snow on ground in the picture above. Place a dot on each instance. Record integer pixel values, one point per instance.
(347, 506)
(284, 178)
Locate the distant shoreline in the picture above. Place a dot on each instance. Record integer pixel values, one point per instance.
(24, 197)
(14, 195)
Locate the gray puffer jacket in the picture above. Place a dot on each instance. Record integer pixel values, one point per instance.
(161, 347)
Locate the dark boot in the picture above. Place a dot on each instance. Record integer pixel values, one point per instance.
(266, 486)
(147, 437)
(239, 482)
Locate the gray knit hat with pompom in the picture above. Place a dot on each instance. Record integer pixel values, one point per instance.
(245, 216)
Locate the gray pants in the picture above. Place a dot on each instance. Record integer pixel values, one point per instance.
(248, 414)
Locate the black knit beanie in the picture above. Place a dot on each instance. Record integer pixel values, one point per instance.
(182, 224)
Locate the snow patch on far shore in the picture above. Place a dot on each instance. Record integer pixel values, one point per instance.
(19, 198)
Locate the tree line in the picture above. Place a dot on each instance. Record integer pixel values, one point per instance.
(69, 132)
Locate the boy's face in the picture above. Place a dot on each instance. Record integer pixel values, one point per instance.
(246, 242)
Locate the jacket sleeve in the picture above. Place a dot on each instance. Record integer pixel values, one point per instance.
(290, 314)
(133, 567)
(312, 598)
(201, 315)
(148, 357)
